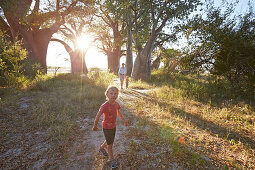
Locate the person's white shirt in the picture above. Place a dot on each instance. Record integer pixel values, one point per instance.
(122, 70)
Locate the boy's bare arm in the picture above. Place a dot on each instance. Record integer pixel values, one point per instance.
(97, 120)
(121, 116)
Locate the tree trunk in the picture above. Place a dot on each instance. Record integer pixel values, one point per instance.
(129, 56)
(78, 64)
(142, 66)
(156, 63)
(4, 27)
(114, 56)
(113, 59)
(172, 65)
(37, 44)
(77, 58)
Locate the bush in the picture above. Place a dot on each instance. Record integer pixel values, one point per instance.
(11, 57)
(15, 67)
(103, 79)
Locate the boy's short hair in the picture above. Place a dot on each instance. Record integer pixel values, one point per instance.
(111, 87)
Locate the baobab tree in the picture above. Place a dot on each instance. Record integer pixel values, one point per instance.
(34, 24)
(75, 50)
(160, 13)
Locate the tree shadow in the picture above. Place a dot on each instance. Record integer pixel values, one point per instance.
(213, 128)
(201, 123)
(198, 121)
(186, 153)
(134, 93)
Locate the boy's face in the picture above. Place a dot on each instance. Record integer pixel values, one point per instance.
(112, 94)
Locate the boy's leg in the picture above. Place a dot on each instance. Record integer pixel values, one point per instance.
(112, 160)
(102, 149)
(110, 135)
(110, 151)
(104, 145)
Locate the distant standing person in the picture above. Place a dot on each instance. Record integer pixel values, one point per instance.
(122, 74)
(110, 109)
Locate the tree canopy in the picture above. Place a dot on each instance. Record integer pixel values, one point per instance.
(223, 45)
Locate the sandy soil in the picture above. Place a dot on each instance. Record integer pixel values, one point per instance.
(31, 149)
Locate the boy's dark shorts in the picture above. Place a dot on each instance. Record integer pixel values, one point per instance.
(109, 135)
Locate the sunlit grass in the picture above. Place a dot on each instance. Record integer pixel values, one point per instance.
(207, 111)
(139, 84)
(102, 79)
(175, 105)
(57, 101)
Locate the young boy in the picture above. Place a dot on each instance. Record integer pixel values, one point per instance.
(110, 109)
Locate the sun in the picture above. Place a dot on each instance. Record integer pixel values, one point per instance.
(83, 42)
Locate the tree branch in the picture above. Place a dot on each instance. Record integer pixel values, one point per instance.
(67, 47)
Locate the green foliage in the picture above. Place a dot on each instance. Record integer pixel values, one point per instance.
(170, 58)
(224, 45)
(205, 88)
(15, 68)
(96, 69)
(11, 66)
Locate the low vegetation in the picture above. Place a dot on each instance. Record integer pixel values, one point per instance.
(217, 122)
(45, 113)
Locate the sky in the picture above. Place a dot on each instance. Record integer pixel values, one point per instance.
(57, 56)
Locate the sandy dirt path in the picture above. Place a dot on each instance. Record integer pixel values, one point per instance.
(84, 153)
(28, 148)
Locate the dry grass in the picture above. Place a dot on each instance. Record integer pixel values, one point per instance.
(218, 134)
(44, 115)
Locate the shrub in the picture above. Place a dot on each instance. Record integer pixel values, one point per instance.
(15, 67)
(11, 57)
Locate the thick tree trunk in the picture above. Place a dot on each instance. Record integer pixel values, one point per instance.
(114, 56)
(35, 40)
(77, 58)
(156, 63)
(142, 65)
(78, 64)
(37, 44)
(172, 65)
(137, 66)
(113, 59)
(4, 27)
(129, 57)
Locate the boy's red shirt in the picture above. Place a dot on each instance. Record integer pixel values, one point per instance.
(110, 114)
